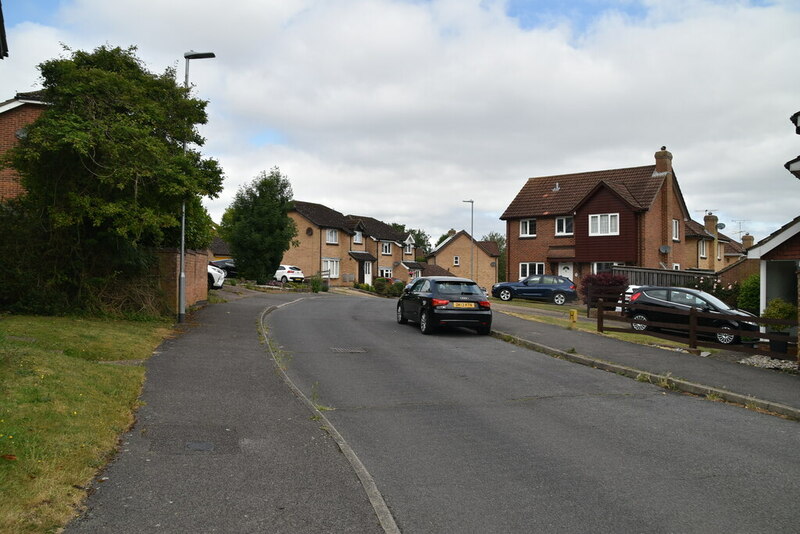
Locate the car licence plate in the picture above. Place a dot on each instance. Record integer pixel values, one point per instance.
(463, 304)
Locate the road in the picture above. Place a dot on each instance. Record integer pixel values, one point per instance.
(467, 433)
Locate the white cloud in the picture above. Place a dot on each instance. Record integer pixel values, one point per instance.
(401, 110)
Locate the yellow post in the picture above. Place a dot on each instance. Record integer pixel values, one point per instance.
(573, 316)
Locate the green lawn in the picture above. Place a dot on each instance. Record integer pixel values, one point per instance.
(62, 409)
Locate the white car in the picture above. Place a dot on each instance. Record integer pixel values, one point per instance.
(216, 277)
(289, 273)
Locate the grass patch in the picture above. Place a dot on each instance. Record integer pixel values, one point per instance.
(62, 410)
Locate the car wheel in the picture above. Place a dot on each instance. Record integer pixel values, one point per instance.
(505, 294)
(400, 317)
(426, 323)
(639, 327)
(559, 299)
(284, 279)
(484, 330)
(726, 338)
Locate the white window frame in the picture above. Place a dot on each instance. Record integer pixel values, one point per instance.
(367, 268)
(384, 272)
(676, 266)
(409, 249)
(525, 227)
(596, 263)
(332, 236)
(596, 224)
(358, 238)
(529, 268)
(720, 247)
(701, 249)
(332, 266)
(386, 248)
(456, 261)
(676, 230)
(561, 225)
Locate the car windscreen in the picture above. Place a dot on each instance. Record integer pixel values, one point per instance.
(458, 288)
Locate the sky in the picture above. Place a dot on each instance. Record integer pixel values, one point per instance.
(402, 109)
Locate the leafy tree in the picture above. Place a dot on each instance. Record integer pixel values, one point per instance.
(257, 225)
(500, 239)
(105, 173)
(750, 294)
(421, 238)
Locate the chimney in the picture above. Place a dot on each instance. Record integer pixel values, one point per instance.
(710, 222)
(747, 241)
(451, 233)
(663, 160)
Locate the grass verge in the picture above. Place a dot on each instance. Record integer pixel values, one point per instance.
(64, 400)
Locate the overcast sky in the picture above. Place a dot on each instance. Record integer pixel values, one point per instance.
(402, 109)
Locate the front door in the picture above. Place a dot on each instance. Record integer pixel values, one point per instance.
(367, 273)
(565, 269)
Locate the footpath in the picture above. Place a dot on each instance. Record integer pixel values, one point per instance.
(766, 389)
(221, 444)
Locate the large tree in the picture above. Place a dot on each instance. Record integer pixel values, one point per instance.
(257, 225)
(106, 171)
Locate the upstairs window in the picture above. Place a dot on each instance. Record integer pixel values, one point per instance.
(564, 225)
(702, 249)
(527, 228)
(604, 224)
(456, 261)
(358, 238)
(409, 249)
(676, 230)
(386, 248)
(332, 236)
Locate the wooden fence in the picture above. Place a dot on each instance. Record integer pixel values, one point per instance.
(690, 332)
(642, 276)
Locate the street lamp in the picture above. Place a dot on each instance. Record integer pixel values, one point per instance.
(472, 238)
(191, 54)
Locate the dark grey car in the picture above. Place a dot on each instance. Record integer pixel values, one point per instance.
(435, 301)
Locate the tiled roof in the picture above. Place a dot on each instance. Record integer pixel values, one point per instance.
(375, 228)
(220, 247)
(490, 247)
(695, 229)
(414, 265)
(323, 216)
(435, 270)
(560, 194)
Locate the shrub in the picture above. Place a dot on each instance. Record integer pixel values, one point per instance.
(381, 285)
(780, 309)
(601, 282)
(749, 294)
(396, 289)
(316, 283)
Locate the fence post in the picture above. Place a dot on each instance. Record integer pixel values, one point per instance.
(693, 327)
(588, 301)
(600, 315)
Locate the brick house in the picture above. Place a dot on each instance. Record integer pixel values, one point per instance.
(456, 252)
(15, 115)
(351, 248)
(582, 223)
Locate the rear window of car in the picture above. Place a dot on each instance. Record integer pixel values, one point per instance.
(657, 293)
(458, 288)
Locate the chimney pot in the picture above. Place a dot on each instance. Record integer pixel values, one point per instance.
(663, 160)
(747, 241)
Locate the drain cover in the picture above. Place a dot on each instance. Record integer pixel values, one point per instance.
(345, 350)
(200, 446)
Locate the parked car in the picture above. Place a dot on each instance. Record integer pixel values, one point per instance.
(289, 273)
(434, 301)
(228, 265)
(216, 277)
(556, 289)
(681, 298)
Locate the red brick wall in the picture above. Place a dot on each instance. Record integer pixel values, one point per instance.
(10, 122)
(196, 276)
(789, 250)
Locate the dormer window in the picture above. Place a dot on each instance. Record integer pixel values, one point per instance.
(409, 249)
(358, 238)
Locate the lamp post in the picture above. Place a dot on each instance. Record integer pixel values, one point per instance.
(472, 238)
(191, 54)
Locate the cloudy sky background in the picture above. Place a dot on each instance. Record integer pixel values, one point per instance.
(401, 109)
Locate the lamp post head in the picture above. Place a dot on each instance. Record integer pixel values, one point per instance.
(191, 54)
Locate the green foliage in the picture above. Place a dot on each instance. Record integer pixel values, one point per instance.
(316, 283)
(500, 239)
(257, 225)
(106, 173)
(395, 290)
(421, 238)
(380, 285)
(602, 281)
(750, 294)
(729, 294)
(780, 309)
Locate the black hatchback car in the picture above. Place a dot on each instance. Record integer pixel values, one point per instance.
(434, 301)
(681, 298)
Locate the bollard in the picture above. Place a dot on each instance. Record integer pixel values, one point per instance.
(573, 317)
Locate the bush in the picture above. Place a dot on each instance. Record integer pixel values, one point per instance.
(396, 289)
(602, 282)
(749, 294)
(316, 283)
(780, 309)
(381, 285)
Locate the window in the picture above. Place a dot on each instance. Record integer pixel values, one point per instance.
(701, 247)
(332, 236)
(527, 228)
(409, 249)
(529, 268)
(386, 248)
(358, 238)
(604, 224)
(385, 272)
(332, 266)
(719, 250)
(676, 230)
(564, 225)
(604, 266)
(456, 261)
(367, 268)
(676, 266)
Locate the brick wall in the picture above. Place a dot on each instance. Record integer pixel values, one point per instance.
(485, 272)
(196, 269)
(10, 122)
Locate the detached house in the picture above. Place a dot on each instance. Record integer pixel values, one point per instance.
(582, 223)
(349, 248)
(463, 256)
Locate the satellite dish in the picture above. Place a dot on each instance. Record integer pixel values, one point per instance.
(721, 226)
(664, 249)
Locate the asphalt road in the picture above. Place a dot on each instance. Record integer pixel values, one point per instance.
(466, 433)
